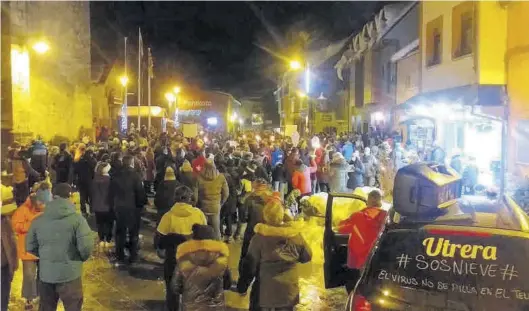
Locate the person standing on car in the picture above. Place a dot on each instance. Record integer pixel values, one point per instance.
(60, 259)
(128, 199)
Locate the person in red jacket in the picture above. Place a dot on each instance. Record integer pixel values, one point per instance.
(199, 162)
(363, 227)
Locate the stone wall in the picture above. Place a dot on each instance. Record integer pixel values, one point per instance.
(58, 101)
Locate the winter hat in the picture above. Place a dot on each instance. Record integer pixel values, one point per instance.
(186, 167)
(210, 163)
(62, 190)
(169, 174)
(43, 195)
(273, 213)
(202, 232)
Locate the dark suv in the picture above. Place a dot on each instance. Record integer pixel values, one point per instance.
(471, 256)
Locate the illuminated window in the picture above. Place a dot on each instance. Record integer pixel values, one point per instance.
(20, 68)
(462, 29)
(434, 41)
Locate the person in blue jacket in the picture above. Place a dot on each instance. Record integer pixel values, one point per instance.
(347, 150)
(277, 156)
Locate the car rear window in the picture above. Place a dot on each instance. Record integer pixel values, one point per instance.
(440, 268)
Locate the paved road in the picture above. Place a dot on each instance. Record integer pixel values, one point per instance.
(141, 287)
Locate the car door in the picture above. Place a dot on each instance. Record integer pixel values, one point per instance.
(335, 251)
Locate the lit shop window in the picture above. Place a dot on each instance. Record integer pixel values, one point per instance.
(20, 68)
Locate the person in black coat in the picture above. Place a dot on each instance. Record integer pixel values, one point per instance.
(62, 164)
(128, 199)
(230, 206)
(84, 171)
(164, 198)
(101, 204)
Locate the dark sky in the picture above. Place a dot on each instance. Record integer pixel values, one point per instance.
(215, 44)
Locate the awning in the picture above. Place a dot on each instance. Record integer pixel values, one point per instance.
(405, 51)
(479, 95)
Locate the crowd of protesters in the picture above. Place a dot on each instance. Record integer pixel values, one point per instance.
(208, 190)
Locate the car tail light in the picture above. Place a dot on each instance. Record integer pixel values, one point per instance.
(360, 303)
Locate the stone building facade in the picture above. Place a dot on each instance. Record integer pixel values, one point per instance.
(47, 94)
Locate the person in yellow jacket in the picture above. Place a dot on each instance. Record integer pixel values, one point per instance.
(175, 228)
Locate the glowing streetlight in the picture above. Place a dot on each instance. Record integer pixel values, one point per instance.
(176, 90)
(170, 97)
(295, 65)
(301, 94)
(124, 80)
(41, 47)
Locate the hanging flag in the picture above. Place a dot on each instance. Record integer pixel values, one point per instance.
(150, 64)
(140, 43)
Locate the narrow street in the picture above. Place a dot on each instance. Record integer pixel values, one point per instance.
(141, 287)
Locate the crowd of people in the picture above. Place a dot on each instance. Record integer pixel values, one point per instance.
(208, 191)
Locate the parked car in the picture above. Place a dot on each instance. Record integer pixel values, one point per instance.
(466, 253)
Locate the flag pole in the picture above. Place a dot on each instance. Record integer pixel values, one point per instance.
(140, 43)
(124, 117)
(149, 76)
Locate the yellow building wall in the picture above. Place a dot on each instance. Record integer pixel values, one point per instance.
(450, 72)
(517, 57)
(324, 120)
(491, 37)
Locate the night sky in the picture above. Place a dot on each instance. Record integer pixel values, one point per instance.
(215, 45)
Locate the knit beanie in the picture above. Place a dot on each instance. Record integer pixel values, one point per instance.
(62, 190)
(169, 174)
(186, 167)
(202, 232)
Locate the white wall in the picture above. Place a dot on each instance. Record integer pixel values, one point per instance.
(449, 73)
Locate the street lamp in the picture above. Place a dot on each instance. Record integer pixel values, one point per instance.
(301, 94)
(124, 80)
(171, 98)
(41, 47)
(176, 90)
(295, 65)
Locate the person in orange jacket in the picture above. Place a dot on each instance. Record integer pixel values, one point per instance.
(363, 227)
(301, 177)
(21, 221)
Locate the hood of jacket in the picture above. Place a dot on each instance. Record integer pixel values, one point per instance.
(59, 208)
(338, 162)
(273, 231)
(203, 252)
(209, 173)
(182, 210)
